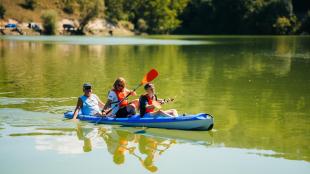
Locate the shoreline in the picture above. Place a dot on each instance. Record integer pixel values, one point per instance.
(66, 27)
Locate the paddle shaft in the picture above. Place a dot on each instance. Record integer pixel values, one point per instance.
(123, 99)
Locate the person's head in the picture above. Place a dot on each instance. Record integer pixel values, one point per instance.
(87, 89)
(119, 84)
(149, 88)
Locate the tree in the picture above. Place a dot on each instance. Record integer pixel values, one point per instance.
(265, 15)
(156, 16)
(282, 25)
(197, 18)
(49, 19)
(115, 10)
(305, 26)
(89, 9)
(160, 15)
(2, 11)
(238, 17)
(141, 25)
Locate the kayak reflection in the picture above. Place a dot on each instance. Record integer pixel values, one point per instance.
(144, 148)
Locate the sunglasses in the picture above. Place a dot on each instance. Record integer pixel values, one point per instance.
(87, 88)
(120, 85)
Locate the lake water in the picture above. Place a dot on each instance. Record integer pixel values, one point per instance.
(257, 89)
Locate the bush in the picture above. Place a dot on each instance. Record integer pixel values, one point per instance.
(89, 9)
(49, 22)
(126, 24)
(282, 25)
(142, 25)
(30, 4)
(2, 11)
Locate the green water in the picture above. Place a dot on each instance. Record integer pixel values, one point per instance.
(257, 89)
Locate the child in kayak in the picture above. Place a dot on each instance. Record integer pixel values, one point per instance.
(149, 101)
(118, 93)
(88, 103)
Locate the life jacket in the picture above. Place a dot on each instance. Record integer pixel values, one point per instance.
(120, 96)
(149, 102)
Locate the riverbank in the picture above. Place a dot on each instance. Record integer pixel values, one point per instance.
(98, 26)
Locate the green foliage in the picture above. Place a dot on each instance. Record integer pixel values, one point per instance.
(283, 25)
(142, 25)
(30, 4)
(89, 9)
(2, 11)
(265, 15)
(115, 11)
(305, 25)
(126, 24)
(159, 16)
(49, 19)
(238, 17)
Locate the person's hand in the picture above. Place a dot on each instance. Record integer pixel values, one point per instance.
(156, 104)
(104, 114)
(132, 93)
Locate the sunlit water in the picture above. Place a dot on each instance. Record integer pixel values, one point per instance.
(257, 89)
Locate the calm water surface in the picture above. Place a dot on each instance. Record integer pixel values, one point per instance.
(257, 89)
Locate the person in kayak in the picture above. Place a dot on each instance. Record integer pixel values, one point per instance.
(149, 102)
(88, 103)
(118, 93)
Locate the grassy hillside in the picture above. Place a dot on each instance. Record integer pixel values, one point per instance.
(15, 10)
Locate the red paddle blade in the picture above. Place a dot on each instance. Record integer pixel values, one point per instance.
(149, 76)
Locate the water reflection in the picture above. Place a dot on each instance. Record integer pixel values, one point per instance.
(121, 142)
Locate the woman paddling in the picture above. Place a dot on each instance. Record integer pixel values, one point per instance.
(149, 101)
(88, 103)
(120, 106)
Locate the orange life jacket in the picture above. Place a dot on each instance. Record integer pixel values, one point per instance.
(120, 96)
(149, 102)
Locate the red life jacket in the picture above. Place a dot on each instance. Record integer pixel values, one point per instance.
(149, 102)
(120, 96)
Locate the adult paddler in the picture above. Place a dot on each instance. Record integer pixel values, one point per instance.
(117, 94)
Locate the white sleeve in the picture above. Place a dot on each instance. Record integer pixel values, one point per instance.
(112, 96)
(96, 97)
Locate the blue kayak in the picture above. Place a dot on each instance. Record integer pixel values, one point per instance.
(200, 121)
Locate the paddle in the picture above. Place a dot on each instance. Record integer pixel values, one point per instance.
(151, 75)
(158, 104)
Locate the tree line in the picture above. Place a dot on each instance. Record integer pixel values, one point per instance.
(213, 16)
(189, 16)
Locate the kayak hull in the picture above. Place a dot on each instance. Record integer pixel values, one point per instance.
(200, 121)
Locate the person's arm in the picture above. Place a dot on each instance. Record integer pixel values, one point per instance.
(100, 103)
(107, 104)
(79, 105)
(149, 106)
(161, 101)
(132, 93)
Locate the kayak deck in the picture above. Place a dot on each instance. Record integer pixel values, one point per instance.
(200, 121)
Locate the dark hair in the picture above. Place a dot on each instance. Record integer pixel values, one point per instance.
(148, 85)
